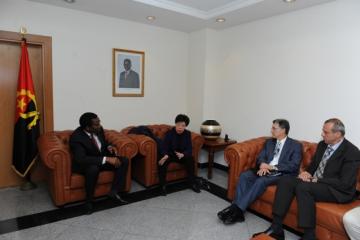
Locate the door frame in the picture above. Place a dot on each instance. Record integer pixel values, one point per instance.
(46, 45)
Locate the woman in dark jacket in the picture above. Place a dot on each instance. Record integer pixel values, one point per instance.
(177, 147)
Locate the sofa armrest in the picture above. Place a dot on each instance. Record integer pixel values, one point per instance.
(241, 157)
(55, 155)
(124, 145)
(146, 145)
(197, 143)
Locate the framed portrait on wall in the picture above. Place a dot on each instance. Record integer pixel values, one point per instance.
(128, 73)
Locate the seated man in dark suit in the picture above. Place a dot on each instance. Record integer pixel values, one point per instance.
(93, 154)
(280, 156)
(177, 147)
(331, 177)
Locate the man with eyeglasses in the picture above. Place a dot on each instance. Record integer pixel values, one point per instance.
(280, 156)
(330, 177)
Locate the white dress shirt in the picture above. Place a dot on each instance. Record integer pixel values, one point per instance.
(276, 158)
(98, 143)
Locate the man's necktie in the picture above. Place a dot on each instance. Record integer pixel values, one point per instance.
(277, 148)
(320, 170)
(95, 142)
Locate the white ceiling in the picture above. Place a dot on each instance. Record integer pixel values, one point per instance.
(187, 15)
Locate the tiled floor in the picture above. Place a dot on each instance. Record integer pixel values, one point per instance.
(16, 203)
(219, 177)
(179, 215)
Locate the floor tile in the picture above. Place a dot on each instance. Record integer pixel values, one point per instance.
(181, 215)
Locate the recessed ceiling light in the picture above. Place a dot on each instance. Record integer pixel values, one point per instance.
(220, 20)
(69, 1)
(289, 1)
(151, 18)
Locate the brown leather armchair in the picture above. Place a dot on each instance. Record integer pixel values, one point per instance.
(145, 169)
(65, 186)
(329, 225)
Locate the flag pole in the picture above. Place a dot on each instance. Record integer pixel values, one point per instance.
(28, 184)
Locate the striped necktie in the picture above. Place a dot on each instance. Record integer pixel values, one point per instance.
(277, 148)
(320, 170)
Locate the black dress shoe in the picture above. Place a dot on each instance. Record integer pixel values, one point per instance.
(89, 208)
(223, 214)
(116, 197)
(276, 235)
(235, 216)
(195, 188)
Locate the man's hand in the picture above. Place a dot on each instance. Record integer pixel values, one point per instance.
(179, 155)
(265, 166)
(112, 150)
(163, 160)
(305, 176)
(263, 171)
(113, 161)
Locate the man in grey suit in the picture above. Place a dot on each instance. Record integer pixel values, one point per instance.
(280, 156)
(129, 78)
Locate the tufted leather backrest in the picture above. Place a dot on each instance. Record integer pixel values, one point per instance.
(64, 136)
(308, 151)
(253, 148)
(159, 130)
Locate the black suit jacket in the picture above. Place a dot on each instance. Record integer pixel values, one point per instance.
(340, 172)
(290, 157)
(85, 152)
(177, 142)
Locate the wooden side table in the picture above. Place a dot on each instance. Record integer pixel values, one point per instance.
(213, 146)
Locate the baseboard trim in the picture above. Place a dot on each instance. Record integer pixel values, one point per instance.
(216, 165)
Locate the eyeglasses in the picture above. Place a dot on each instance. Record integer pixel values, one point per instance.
(275, 128)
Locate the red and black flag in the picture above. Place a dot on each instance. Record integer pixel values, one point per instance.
(27, 129)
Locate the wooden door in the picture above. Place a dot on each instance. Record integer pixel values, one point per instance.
(39, 48)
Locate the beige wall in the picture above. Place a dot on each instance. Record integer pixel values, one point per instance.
(303, 66)
(82, 64)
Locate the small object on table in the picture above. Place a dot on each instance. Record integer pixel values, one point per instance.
(210, 130)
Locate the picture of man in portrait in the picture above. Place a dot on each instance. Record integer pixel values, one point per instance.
(129, 78)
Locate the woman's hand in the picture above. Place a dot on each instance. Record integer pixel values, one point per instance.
(179, 155)
(163, 160)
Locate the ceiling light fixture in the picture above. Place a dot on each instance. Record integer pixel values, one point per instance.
(289, 1)
(151, 18)
(220, 20)
(69, 1)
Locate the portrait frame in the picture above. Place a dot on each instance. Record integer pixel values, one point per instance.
(128, 82)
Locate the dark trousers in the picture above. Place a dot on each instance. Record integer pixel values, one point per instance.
(91, 174)
(250, 186)
(188, 162)
(307, 194)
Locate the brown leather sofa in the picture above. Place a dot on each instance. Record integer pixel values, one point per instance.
(145, 169)
(65, 186)
(242, 156)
